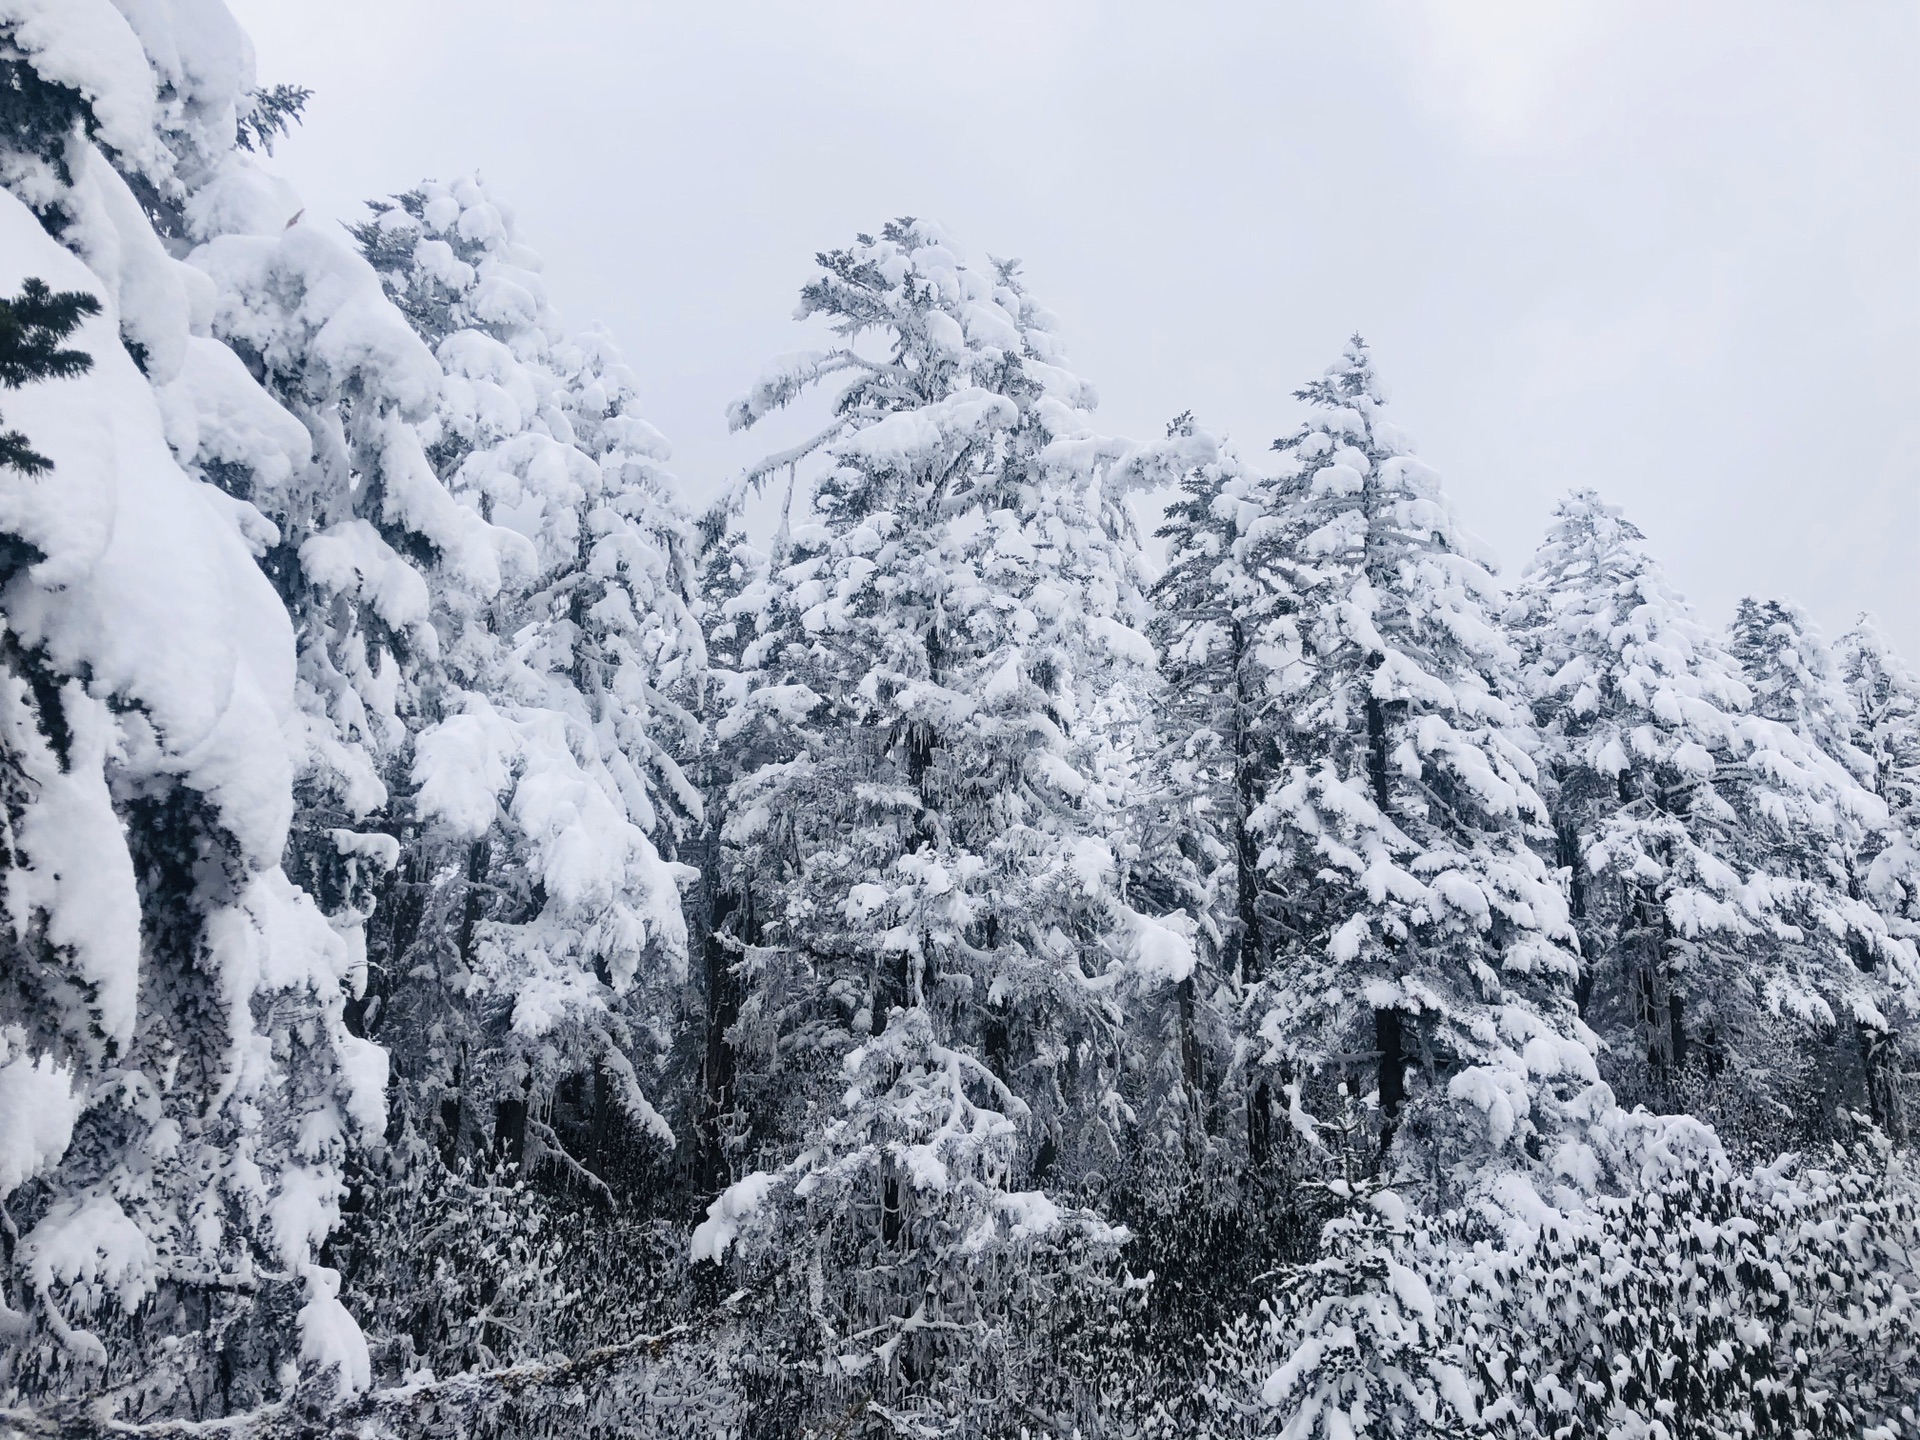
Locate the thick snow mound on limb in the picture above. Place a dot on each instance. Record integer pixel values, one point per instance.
(727, 1215)
(203, 650)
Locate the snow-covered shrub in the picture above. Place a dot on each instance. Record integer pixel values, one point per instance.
(1716, 1303)
(1709, 1302)
(890, 1273)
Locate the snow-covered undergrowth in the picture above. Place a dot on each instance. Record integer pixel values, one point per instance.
(494, 950)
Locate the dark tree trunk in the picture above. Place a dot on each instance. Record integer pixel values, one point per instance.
(892, 1217)
(452, 1127)
(1250, 963)
(602, 1124)
(1566, 854)
(1389, 1039)
(510, 1130)
(1190, 1073)
(1260, 1126)
(1656, 1009)
(717, 1070)
(1377, 751)
(1880, 1058)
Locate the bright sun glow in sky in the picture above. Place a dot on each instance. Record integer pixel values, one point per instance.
(1665, 251)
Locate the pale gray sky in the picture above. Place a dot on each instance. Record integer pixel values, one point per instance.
(1669, 250)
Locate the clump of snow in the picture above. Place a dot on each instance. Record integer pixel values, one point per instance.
(38, 1105)
(329, 1337)
(728, 1215)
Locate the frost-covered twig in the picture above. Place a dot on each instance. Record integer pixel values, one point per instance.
(405, 1408)
(551, 1148)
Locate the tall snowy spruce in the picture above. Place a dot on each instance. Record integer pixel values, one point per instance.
(1224, 627)
(181, 1086)
(533, 943)
(556, 687)
(1639, 711)
(930, 695)
(1427, 947)
(1228, 1195)
(1886, 731)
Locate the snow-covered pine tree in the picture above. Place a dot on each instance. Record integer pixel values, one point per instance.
(545, 764)
(408, 604)
(534, 946)
(1886, 717)
(1223, 625)
(1638, 708)
(1825, 955)
(1427, 944)
(1794, 679)
(181, 1087)
(1708, 848)
(985, 1267)
(1886, 703)
(1222, 1199)
(385, 576)
(930, 692)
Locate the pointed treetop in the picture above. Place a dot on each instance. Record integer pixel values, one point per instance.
(1886, 700)
(1583, 513)
(1794, 679)
(1350, 460)
(1597, 618)
(1347, 380)
(959, 341)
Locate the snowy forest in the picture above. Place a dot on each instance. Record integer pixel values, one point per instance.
(973, 927)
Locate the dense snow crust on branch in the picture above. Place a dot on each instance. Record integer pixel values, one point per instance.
(491, 952)
(552, 677)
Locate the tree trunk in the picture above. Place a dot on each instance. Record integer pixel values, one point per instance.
(717, 1070)
(510, 1130)
(1377, 752)
(1655, 1010)
(1250, 962)
(1260, 1126)
(1190, 1054)
(1389, 1039)
(1880, 1057)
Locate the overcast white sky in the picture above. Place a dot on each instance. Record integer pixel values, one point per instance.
(1669, 250)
